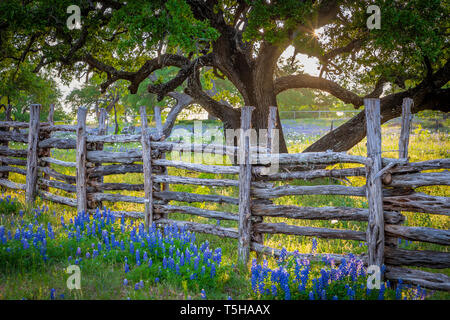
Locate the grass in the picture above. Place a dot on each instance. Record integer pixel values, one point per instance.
(104, 279)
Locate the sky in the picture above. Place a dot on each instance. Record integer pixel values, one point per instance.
(310, 64)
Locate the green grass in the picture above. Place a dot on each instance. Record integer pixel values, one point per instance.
(104, 281)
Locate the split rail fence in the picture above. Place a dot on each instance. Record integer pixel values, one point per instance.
(389, 187)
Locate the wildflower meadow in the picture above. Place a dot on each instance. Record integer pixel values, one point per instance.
(118, 259)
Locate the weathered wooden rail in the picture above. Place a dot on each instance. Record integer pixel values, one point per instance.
(389, 187)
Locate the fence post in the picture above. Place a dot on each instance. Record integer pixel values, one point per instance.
(375, 226)
(32, 154)
(160, 137)
(46, 152)
(147, 168)
(271, 143)
(406, 126)
(51, 113)
(5, 175)
(97, 146)
(245, 176)
(81, 178)
(158, 121)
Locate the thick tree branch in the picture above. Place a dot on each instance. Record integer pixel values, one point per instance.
(185, 71)
(307, 81)
(353, 45)
(378, 89)
(136, 77)
(183, 101)
(229, 115)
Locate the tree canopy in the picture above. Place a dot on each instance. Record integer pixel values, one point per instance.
(242, 41)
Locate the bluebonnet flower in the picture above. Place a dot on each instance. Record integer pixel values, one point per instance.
(350, 293)
(196, 262)
(274, 290)
(78, 253)
(311, 295)
(127, 268)
(203, 270)
(381, 292)
(138, 257)
(171, 263)
(136, 286)
(398, 293)
(314, 246)
(283, 255)
(181, 259)
(125, 282)
(203, 294)
(52, 294)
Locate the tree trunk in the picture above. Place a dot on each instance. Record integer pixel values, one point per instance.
(260, 120)
(254, 81)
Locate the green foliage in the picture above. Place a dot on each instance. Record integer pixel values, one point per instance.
(412, 33)
(21, 87)
(272, 21)
(9, 206)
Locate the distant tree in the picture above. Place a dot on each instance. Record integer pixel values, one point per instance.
(21, 87)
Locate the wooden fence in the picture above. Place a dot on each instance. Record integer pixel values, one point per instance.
(389, 187)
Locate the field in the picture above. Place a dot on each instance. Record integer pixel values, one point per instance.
(29, 275)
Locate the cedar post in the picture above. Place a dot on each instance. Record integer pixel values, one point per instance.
(245, 176)
(406, 127)
(5, 175)
(271, 142)
(271, 126)
(51, 113)
(32, 155)
(160, 137)
(46, 152)
(81, 178)
(98, 146)
(158, 121)
(147, 168)
(375, 226)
